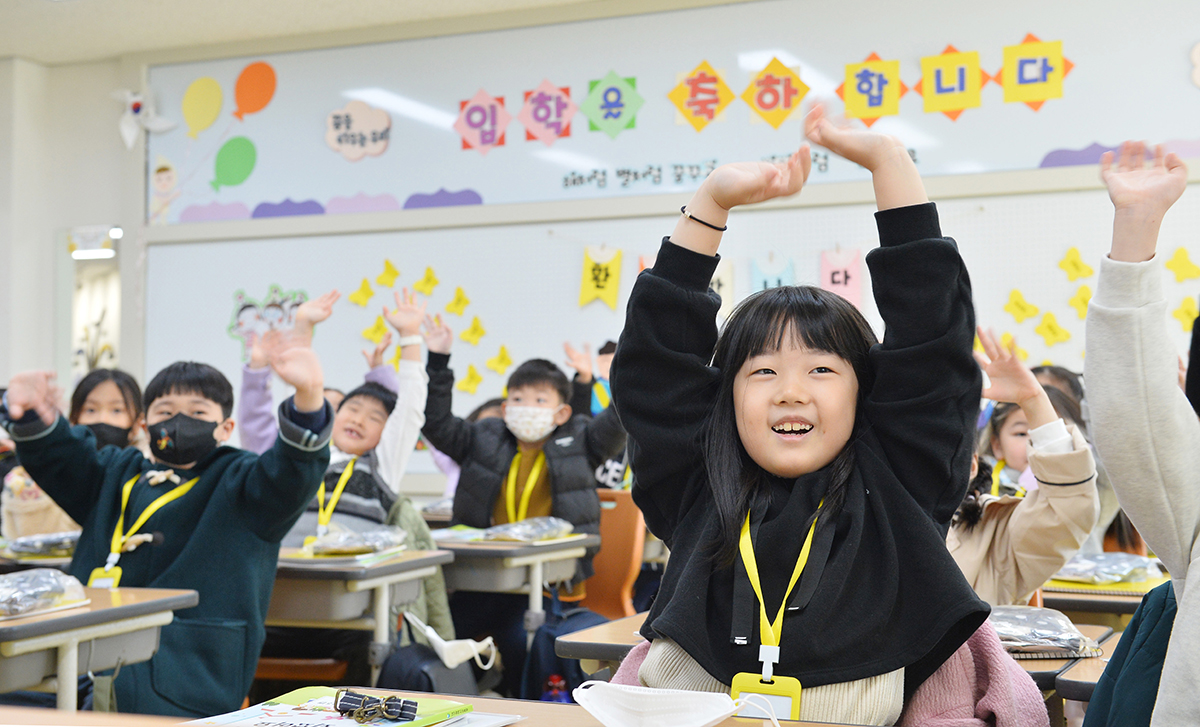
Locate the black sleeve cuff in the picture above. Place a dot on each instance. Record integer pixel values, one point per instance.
(29, 426)
(313, 421)
(298, 434)
(438, 361)
(907, 224)
(686, 268)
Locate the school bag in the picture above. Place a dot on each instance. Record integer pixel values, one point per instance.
(418, 668)
(542, 662)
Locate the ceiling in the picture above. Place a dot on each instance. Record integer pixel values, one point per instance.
(70, 31)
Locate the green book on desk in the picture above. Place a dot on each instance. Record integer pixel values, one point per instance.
(1140, 588)
(314, 706)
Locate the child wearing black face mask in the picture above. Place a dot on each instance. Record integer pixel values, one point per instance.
(196, 515)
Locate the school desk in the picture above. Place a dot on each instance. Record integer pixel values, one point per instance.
(50, 717)
(507, 567)
(119, 624)
(1091, 602)
(601, 646)
(344, 593)
(1078, 681)
(436, 520)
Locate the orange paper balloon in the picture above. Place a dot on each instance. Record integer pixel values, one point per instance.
(255, 88)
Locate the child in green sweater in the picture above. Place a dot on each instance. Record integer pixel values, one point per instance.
(196, 515)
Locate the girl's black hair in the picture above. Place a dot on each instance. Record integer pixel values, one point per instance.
(1072, 380)
(130, 392)
(971, 510)
(813, 318)
(1067, 408)
(489, 404)
(1000, 414)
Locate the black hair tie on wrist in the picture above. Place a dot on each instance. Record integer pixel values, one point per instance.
(684, 211)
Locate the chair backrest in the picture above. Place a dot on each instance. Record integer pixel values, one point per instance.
(622, 541)
(1036, 599)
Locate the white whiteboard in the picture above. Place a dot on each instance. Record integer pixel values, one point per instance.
(1132, 77)
(524, 280)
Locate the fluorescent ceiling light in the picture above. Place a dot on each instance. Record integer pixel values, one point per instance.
(101, 254)
(116, 233)
(397, 104)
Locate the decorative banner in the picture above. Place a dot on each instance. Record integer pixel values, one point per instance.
(701, 96)
(459, 304)
(1074, 266)
(426, 284)
(1033, 72)
(481, 122)
(471, 381)
(254, 89)
(474, 333)
(950, 82)
(500, 362)
(357, 130)
(547, 113)
(601, 276)
(722, 285)
(1186, 314)
(841, 273)
(768, 274)
(775, 93)
(612, 104)
(1006, 341)
(362, 295)
(376, 332)
(277, 311)
(872, 89)
(234, 163)
(1080, 301)
(1182, 266)
(1050, 331)
(388, 277)
(1019, 308)
(201, 105)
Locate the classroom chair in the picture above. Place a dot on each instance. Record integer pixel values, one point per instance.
(1036, 599)
(313, 671)
(622, 538)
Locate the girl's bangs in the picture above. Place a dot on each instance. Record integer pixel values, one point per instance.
(799, 315)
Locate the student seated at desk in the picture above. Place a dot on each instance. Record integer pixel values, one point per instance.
(537, 460)
(193, 515)
(1008, 546)
(374, 432)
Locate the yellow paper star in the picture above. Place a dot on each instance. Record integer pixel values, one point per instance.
(389, 274)
(1047, 362)
(1050, 331)
(459, 304)
(395, 359)
(363, 294)
(1186, 314)
(426, 284)
(1182, 266)
(501, 362)
(1006, 341)
(375, 333)
(1019, 307)
(1079, 301)
(1074, 266)
(471, 381)
(474, 333)
(978, 344)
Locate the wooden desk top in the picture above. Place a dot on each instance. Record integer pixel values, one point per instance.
(503, 549)
(1046, 671)
(1078, 681)
(30, 716)
(106, 606)
(607, 642)
(1091, 602)
(400, 563)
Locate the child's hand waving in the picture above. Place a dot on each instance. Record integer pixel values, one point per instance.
(1011, 380)
(438, 336)
(861, 146)
(406, 318)
(34, 391)
(312, 312)
(731, 185)
(1141, 196)
(581, 361)
(375, 358)
(300, 367)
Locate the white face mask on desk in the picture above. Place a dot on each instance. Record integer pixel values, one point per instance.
(453, 653)
(618, 705)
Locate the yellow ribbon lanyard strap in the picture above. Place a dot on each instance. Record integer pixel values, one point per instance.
(120, 535)
(1000, 465)
(510, 492)
(325, 513)
(601, 395)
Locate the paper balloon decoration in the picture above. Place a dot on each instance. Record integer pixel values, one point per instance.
(254, 90)
(201, 105)
(235, 161)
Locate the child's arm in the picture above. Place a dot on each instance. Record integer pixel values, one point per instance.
(924, 401)
(403, 427)
(1146, 432)
(1048, 527)
(256, 409)
(662, 384)
(605, 437)
(581, 384)
(452, 435)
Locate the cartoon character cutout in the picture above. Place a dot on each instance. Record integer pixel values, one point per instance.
(253, 318)
(164, 182)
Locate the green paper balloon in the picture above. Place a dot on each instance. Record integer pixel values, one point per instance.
(235, 161)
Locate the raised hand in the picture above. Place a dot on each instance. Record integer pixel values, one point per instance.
(438, 336)
(258, 352)
(1011, 380)
(300, 367)
(581, 361)
(312, 312)
(861, 146)
(34, 391)
(407, 316)
(375, 358)
(1141, 195)
(741, 183)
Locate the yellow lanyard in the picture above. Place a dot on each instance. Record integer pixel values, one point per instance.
(510, 493)
(601, 394)
(1000, 465)
(120, 536)
(325, 514)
